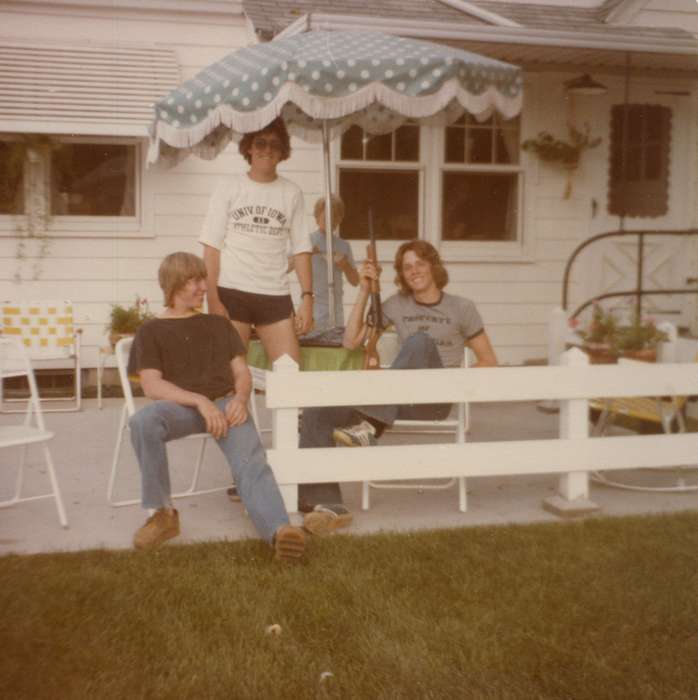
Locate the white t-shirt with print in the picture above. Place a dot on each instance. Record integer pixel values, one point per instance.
(255, 225)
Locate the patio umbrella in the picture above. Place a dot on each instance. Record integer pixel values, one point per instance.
(322, 83)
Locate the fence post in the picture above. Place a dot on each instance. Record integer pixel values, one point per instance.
(557, 331)
(285, 431)
(573, 488)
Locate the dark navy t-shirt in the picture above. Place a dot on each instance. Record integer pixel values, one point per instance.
(194, 353)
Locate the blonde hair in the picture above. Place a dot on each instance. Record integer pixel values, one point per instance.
(336, 208)
(176, 270)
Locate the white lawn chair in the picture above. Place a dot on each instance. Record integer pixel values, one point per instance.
(458, 426)
(122, 350)
(15, 362)
(47, 331)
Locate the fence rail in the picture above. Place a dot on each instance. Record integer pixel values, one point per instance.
(572, 455)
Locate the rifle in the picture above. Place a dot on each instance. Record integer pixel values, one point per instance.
(374, 319)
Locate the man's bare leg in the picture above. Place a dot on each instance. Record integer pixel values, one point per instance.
(280, 339)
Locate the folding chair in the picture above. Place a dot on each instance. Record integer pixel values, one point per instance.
(665, 411)
(388, 348)
(122, 350)
(15, 362)
(47, 330)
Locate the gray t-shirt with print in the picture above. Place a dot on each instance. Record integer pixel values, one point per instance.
(451, 322)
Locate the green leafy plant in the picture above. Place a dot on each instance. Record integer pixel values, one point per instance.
(566, 153)
(604, 329)
(601, 329)
(128, 319)
(641, 334)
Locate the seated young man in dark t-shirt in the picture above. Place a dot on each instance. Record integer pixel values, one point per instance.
(193, 366)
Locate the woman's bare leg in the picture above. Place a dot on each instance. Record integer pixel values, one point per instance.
(278, 339)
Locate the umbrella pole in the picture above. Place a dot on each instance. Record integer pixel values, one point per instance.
(328, 220)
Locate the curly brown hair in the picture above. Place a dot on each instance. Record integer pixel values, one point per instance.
(425, 251)
(276, 127)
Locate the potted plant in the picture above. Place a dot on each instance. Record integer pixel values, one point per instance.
(126, 320)
(639, 340)
(566, 154)
(598, 336)
(605, 338)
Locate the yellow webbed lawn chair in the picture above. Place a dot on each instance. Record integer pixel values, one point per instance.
(664, 411)
(47, 331)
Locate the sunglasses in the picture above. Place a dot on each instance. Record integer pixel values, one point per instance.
(262, 144)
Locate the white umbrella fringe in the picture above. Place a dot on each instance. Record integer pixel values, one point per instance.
(304, 114)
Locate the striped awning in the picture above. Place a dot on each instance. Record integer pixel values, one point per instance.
(105, 90)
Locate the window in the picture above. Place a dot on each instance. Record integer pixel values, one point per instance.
(11, 179)
(639, 178)
(480, 182)
(91, 179)
(81, 178)
(380, 173)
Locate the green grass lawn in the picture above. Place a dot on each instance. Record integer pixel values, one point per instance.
(603, 608)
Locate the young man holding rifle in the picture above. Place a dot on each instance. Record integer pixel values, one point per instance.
(432, 327)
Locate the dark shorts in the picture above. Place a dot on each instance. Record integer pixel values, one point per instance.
(255, 309)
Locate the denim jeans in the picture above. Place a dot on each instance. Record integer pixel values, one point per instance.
(161, 421)
(417, 352)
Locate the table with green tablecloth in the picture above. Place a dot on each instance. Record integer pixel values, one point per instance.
(313, 359)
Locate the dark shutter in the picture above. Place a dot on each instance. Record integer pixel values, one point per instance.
(639, 168)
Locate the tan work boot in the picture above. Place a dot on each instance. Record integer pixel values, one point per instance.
(163, 525)
(289, 543)
(326, 519)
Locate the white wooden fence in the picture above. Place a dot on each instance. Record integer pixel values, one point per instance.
(572, 455)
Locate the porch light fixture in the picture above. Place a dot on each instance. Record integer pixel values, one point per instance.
(585, 85)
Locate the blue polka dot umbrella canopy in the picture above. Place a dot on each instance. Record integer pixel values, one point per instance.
(338, 79)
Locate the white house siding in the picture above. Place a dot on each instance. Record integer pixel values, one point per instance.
(515, 298)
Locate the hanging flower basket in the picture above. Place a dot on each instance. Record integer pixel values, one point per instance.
(565, 154)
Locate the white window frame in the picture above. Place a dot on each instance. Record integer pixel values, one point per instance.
(481, 251)
(431, 165)
(386, 248)
(141, 225)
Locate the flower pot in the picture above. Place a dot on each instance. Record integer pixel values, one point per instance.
(644, 355)
(600, 353)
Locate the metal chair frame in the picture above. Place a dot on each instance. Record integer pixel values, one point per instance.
(449, 426)
(122, 350)
(32, 431)
(665, 411)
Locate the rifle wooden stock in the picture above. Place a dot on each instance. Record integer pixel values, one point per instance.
(375, 316)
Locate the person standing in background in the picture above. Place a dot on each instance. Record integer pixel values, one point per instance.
(252, 220)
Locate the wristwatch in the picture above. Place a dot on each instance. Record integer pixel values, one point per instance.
(307, 294)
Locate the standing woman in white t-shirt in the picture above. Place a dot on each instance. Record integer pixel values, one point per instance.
(252, 221)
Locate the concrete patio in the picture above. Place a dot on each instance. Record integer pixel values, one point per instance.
(84, 443)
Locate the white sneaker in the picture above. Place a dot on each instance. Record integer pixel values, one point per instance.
(361, 435)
